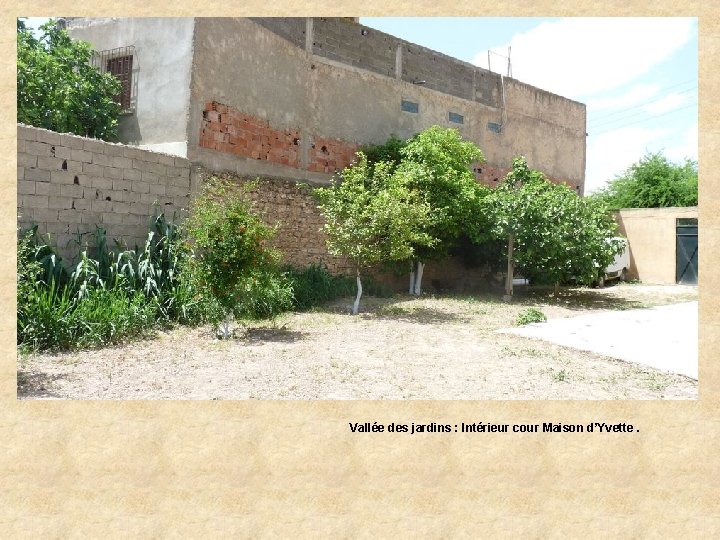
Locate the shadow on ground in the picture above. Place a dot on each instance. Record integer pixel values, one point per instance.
(575, 299)
(36, 385)
(275, 335)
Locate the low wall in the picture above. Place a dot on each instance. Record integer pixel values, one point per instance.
(68, 185)
(302, 242)
(651, 236)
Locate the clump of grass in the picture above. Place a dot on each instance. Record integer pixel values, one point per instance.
(314, 285)
(530, 315)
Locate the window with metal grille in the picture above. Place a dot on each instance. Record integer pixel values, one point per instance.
(121, 67)
(119, 63)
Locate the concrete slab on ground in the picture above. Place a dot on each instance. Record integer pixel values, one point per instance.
(664, 337)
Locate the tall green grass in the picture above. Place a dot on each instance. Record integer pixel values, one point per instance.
(107, 297)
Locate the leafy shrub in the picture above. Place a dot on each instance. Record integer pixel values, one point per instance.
(530, 315)
(233, 261)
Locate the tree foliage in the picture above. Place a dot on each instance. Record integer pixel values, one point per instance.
(652, 182)
(557, 235)
(371, 216)
(58, 88)
(436, 163)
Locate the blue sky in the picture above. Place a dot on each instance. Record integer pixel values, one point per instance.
(637, 76)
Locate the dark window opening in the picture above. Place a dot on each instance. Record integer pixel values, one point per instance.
(409, 106)
(456, 118)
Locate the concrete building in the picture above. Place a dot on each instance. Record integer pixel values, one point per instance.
(294, 98)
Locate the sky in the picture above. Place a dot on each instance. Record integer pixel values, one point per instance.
(637, 76)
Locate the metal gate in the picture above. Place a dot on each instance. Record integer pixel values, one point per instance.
(686, 250)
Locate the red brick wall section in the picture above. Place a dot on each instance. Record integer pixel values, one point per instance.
(228, 130)
(331, 155)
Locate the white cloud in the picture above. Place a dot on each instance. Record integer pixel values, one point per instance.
(609, 154)
(637, 94)
(577, 57)
(666, 104)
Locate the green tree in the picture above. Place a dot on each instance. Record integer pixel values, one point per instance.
(372, 217)
(652, 182)
(436, 164)
(58, 88)
(234, 262)
(551, 232)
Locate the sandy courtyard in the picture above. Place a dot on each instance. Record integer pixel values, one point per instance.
(397, 348)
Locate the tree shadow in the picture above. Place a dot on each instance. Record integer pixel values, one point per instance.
(275, 335)
(576, 299)
(33, 385)
(404, 311)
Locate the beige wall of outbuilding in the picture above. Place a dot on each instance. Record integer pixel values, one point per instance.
(651, 236)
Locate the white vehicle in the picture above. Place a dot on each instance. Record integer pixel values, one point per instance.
(619, 268)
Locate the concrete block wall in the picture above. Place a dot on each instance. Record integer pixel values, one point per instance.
(68, 185)
(343, 40)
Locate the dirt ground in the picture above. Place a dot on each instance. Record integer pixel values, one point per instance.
(396, 348)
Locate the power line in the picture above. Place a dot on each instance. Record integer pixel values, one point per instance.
(646, 119)
(605, 119)
(663, 91)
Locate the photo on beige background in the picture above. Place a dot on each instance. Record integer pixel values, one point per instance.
(340, 208)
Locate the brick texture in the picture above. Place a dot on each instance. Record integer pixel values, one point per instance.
(68, 185)
(231, 131)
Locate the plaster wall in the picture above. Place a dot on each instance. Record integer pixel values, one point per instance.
(269, 75)
(651, 236)
(161, 75)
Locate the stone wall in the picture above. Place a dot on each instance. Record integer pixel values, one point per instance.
(294, 211)
(68, 185)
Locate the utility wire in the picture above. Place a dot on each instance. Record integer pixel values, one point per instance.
(663, 92)
(645, 119)
(606, 120)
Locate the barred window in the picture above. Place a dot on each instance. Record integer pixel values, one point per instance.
(119, 62)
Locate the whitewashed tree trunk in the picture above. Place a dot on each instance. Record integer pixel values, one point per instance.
(510, 269)
(418, 278)
(356, 305)
(226, 327)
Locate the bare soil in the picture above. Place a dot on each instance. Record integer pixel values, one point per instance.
(396, 348)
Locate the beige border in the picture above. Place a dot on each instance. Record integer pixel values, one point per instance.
(287, 469)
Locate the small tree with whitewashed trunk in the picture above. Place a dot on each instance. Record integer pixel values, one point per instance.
(436, 165)
(372, 217)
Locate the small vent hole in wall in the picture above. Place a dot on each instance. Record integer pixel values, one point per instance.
(76, 180)
(64, 164)
(52, 151)
(108, 199)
